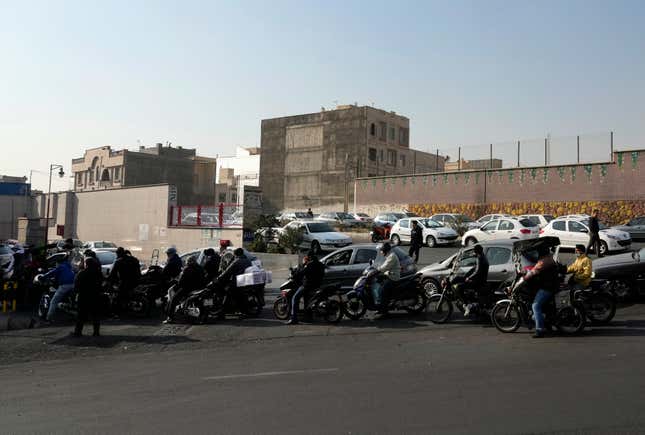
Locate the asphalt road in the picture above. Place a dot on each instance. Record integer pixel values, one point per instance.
(403, 375)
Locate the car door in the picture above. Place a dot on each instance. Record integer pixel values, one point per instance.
(404, 230)
(559, 229)
(638, 228)
(360, 261)
(337, 266)
(488, 231)
(578, 233)
(505, 230)
(500, 265)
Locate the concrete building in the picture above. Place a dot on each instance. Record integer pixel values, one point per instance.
(474, 164)
(235, 172)
(312, 160)
(15, 201)
(103, 168)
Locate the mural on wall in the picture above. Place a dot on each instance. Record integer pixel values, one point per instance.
(612, 212)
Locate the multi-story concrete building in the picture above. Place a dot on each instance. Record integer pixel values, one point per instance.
(235, 172)
(312, 160)
(103, 168)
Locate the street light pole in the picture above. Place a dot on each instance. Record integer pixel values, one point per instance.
(61, 174)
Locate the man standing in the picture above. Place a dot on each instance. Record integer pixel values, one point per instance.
(310, 213)
(310, 275)
(88, 288)
(416, 241)
(594, 238)
(581, 269)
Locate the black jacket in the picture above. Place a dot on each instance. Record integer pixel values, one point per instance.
(237, 267)
(416, 236)
(172, 269)
(594, 227)
(311, 275)
(87, 284)
(211, 267)
(192, 278)
(544, 275)
(126, 271)
(479, 273)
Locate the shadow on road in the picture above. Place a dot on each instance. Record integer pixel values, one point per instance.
(108, 341)
(619, 328)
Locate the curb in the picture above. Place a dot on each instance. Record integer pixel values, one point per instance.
(13, 322)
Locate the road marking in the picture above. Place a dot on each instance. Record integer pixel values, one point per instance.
(264, 374)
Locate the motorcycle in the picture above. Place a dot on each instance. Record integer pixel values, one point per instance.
(139, 302)
(324, 303)
(563, 311)
(68, 305)
(380, 233)
(598, 301)
(407, 294)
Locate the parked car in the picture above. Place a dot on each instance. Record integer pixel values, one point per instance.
(457, 222)
(60, 245)
(205, 219)
(575, 231)
(635, 228)
(285, 218)
(318, 236)
(363, 218)
(541, 220)
(626, 271)
(103, 245)
(388, 218)
(410, 214)
(344, 266)
(6, 261)
(499, 256)
(106, 258)
(575, 216)
(433, 232)
(517, 229)
(489, 217)
(338, 218)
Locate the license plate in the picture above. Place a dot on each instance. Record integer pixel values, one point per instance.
(208, 302)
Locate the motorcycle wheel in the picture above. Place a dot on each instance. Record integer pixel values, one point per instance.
(333, 310)
(202, 317)
(570, 320)
(281, 308)
(430, 287)
(43, 307)
(354, 308)
(253, 306)
(602, 309)
(140, 305)
(375, 238)
(439, 309)
(419, 306)
(506, 317)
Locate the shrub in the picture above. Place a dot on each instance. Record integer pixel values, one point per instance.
(290, 240)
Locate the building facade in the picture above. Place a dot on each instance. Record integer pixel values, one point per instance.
(103, 168)
(235, 172)
(312, 160)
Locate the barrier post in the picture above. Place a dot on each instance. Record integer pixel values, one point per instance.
(199, 215)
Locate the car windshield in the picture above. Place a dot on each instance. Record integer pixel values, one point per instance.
(104, 245)
(400, 215)
(301, 215)
(4, 250)
(429, 223)
(106, 257)
(319, 228)
(362, 214)
(345, 216)
(463, 218)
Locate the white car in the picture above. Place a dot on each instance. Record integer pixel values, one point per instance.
(455, 221)
(519, 229)
(363, 217)
(103, 245)
(489, 217)
(338, 217)
(541, 220)
(574, 232)
(106, 258)
(318, 236)
(433, 232)
(575, 216)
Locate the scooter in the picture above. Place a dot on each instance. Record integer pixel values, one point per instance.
(380, 232)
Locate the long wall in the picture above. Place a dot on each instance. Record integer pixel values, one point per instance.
(617, 186)
(11, 208)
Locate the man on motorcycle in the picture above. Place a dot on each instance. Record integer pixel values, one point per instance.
(173, 266)
(544, 278)
(64, 278)
(310, 275)
(228, 278)
(211, 264)
(581, 269)
(476, 279)
(191, 279)
(126, 272)
(391, 270)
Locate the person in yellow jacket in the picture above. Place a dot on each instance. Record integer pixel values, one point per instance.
(581, 268)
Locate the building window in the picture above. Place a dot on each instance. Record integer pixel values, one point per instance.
(372, 129)
(79, 179)
(222, 197)
(381, 155)
(402, 160)
(117, 174)
(401, 136)
(392, 133)
(383, 130)
(372, 154)
(391, 158)
(91, 176)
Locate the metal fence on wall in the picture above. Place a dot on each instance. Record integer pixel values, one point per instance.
(557, 150)
(207, 216)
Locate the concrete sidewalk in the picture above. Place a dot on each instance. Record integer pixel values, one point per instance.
(17, 320)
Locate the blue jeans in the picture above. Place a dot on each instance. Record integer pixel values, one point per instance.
(541, 298)
(295, 302)
(61, 292)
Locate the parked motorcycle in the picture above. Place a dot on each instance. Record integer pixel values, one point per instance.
(598, 301)
(68, 305)
(139, 302)
(380, 232)
(406, 295)
(324, 303)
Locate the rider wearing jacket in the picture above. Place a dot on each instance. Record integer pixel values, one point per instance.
(544, 277)
(228, 278)
(211, 264)
(191, 279)
(173, 266)
(581, 269)
(310, 275)
(126, 272)
(391, 270)
(63, 276)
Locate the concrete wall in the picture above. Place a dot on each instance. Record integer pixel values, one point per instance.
(624, 179)
(11, 208)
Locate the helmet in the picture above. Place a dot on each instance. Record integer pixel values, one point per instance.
(88, 253)
(171, 251)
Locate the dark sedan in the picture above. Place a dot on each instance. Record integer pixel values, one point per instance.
(345, 265)
(635, 228)
(627, 271)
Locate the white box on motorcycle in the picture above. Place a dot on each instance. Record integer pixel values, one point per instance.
(254, 276)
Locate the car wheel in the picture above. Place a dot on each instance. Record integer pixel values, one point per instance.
(430, 287)
(431, 242)
(395, 239)
(604, 249)
(470, 241)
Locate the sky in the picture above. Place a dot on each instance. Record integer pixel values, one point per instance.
(81, 74)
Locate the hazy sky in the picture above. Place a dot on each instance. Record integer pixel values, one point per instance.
(203, 74)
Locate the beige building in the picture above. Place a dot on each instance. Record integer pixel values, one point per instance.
(103, 168)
